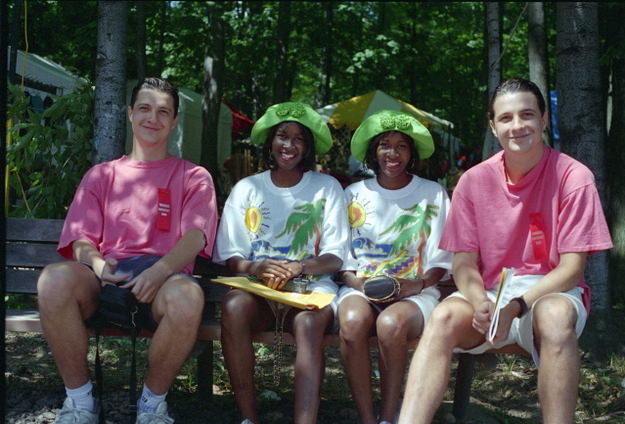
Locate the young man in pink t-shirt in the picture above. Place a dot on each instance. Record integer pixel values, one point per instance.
(151, 214)
(537, 211)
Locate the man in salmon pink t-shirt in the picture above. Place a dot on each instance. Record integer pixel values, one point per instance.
(536, 211)
(138, 222)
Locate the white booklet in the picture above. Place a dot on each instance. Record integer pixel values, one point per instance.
(504, 282)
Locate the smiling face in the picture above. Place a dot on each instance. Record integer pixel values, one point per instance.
(288, 146)
(393, 155)
(152, 118)
(518, 124)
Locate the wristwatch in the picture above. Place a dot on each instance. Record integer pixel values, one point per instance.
(522, 305)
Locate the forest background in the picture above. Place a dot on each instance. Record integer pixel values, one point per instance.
(443, 57)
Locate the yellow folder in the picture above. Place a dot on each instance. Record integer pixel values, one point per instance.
(310, 301)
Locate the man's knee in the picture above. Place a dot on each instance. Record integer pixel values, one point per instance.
(58, 284)
(184, 300)
(554, 320)
(449, 318)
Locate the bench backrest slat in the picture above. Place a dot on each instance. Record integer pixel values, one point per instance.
(23, 281)
(39, 230)
(31, 255)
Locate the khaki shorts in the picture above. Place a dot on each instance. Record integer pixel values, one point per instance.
(521, 330)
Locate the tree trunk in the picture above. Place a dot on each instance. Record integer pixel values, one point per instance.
(281, 85)
(493, 35)
(616, 155)
(581, 114)
(4, 23)
(109, 131)
(214, 66)
(537, 48)
(160, 53)
(328, 51)
(141, 40)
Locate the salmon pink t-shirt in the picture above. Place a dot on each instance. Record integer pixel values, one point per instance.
(554, 209)
(128, 208)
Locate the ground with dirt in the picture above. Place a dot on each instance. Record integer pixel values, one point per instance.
(503, 392)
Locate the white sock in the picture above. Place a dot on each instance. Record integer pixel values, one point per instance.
(82, 397)
(148, 402)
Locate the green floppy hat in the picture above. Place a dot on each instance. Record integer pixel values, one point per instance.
(298, 112)
(391, 120)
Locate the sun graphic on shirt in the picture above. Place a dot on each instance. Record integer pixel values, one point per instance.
(255, 218)
(357, 214)
(360, 211)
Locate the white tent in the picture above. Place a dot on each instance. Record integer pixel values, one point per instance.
(43, 77)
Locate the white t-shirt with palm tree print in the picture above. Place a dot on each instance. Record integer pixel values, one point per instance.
(396, 232)
(261, 220)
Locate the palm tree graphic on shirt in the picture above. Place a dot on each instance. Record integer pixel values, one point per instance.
(413, 227)
(304, 223)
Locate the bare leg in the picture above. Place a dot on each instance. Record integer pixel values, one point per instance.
(396, 325)
(178, 310)
(308, 329)
(243, 314)
(558, 374)
(68, 294)
(357, 318)
(448, 327)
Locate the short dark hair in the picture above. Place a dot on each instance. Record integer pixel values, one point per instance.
(158, 84)
(371, 159)
(307, 163)
(514, 85)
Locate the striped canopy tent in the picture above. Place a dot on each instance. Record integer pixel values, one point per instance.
(344, 117)
(352, 112)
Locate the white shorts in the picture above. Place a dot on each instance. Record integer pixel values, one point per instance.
(521, 330)
(426, 300)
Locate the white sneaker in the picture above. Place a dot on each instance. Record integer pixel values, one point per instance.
(158, 417)
(246, 421)
(69, 414)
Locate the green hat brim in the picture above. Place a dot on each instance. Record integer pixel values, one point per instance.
(391, 120)
(298, 112)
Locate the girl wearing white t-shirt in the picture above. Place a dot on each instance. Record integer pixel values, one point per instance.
(286, 222)
(396, 221)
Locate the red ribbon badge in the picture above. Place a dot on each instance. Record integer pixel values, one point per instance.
(537, 233)
(163, 215)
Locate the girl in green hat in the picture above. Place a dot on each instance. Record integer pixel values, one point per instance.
(286, 222)
(396, 221)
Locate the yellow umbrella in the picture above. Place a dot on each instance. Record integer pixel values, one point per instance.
(352, 112)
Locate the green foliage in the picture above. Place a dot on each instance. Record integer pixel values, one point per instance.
(48, 152)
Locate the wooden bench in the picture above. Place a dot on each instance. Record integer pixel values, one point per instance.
(31, 245)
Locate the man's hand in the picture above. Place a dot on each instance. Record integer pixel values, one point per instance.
(146, 285)
(108, 274)
(506, 315)
(482, 317)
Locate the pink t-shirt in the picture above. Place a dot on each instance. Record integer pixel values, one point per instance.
(128, 208)
(554, 209)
